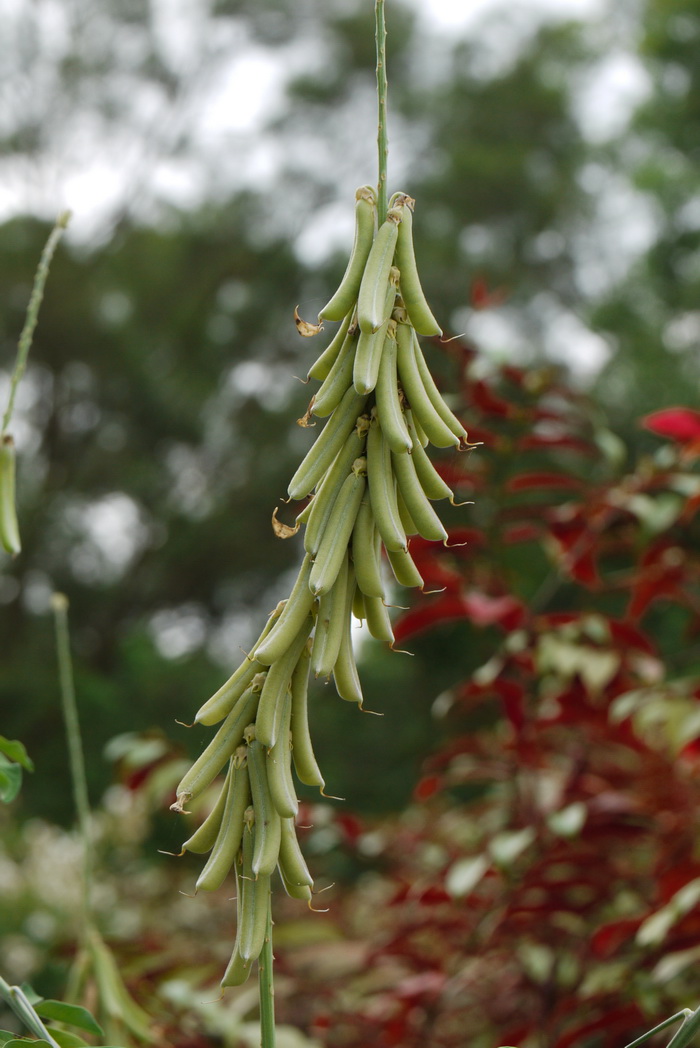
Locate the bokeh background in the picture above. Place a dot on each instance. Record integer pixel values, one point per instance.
(209, 152)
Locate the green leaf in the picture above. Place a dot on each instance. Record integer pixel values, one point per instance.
(10, 780)
(72, 1014)
(6, 1036)
(16, 752)
(65, 1039)
(25, 1042)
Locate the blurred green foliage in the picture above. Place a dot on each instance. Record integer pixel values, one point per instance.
(155, 427)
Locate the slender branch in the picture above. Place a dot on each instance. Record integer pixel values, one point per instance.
(266, 988)
(686, 1034)
(382, 139)
(59, 604)
(25, 339)
(662, 1026)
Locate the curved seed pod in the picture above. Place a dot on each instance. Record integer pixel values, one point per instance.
(292, 617)
(366, 552)
(275, 687)
(337, 534)
(370, 299)
(212, 759)
(378, 621)
(388, 404)
(292, 864)
(382, 489)
(9, 528)
(204, 837)
(339, 378)
(279, 766)
(404, 568)
(430, 480)
(365, 215)
(331, 484)
(435, 396)
(407, 522)
(302, 751)
(358, 605)
(323, 364)
(221, 702)
(422, 513)
(368, 354)
(296, 891)
(424, 412)
(420, 432)
(230, 833)
(267, 821)
(412, 294)
(345, 675)
(329, 442)
(238, 970)
(253, 896)
(329, 624)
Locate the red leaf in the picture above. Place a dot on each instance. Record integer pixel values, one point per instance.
(681, 424)
(484, 398)
(427, 787)
(418, 619)
(522, 533)
(542, 480)
(484, 610)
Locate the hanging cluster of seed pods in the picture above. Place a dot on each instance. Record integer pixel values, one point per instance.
(370, 486)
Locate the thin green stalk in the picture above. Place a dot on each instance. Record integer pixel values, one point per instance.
(59, 603)
(688, 1031)
(382, 139)
(662, 1026)
(266, 988)
(20, 1004)
(25, 339)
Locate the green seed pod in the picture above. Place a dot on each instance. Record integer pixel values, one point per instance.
(337, 534)
(327, 493)
(339, 379)
(279, 766)
(267, 821)
(288, 624)
(274, 689)
(321, 367)
(422, 513)
(302, 751)
(366, 552)
(404, 568)
(382, 489)
(412, 294)
(211, 761)
(230, 834)
(435, 396)
(424, 412)
(365, 217)
(329, 442)
(389, 410)
(204, 837)
(330, 623)
(371, 297)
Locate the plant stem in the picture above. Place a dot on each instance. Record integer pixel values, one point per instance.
(687, 1032)
(382, 139)
(59, 603)
(25, 339)
(266, 988)
(20, 1004)
(662, 1026)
